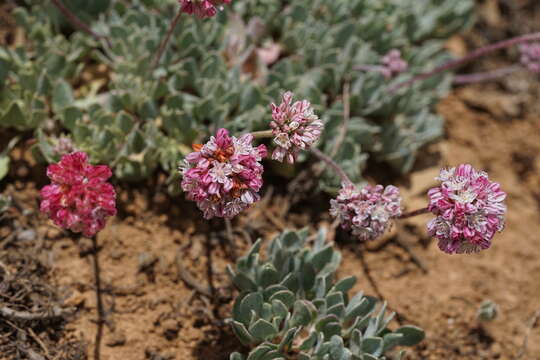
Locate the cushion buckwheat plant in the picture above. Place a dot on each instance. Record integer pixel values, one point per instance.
(224, 175)
(292, 306)
(295, 127)
(469, 210)
(367, 212)
(79, 197)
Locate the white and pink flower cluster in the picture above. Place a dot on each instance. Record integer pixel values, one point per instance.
(367, 213)
(295, 127)
(393, 64)
(530, 56)
(224, 175)
(469, 208)
(202, 8)
(79, 197)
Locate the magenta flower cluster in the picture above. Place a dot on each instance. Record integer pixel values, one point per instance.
(393, 64)
(469, 210)
(202, 8)
(367, 213)
(295, 127)
(79, 197)
(224, 175)
(530, 56)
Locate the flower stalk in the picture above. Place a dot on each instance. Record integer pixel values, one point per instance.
(344, 178)
(478, 53)
(414, 213)
(263, 134)
(78, 23)
(485, 76)
(166, 40)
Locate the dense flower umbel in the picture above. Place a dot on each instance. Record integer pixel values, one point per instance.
(224, 175)
(530, 56)
(366, 212)
(79, 197)
(202, 8)
(295, 127)
(470, 210)
(393, 64)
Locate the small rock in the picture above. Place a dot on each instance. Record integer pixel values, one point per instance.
(53, 233)
(117, 338)
(170, 329)
(146, 261)
(117, 254)
(27, 235)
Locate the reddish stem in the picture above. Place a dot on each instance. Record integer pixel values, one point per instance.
(413, 213)
(467, 58)
(485, 76)
(165, 41)
(78, 23)
(332, 164)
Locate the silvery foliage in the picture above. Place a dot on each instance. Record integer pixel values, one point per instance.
(487, 311)
(218, 72)
(291, 303)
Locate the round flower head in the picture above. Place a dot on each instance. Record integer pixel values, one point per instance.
(202, 8)
(224, 175)
(469, 210)
(64, 146)
(79, 197)
(530, 56)
(393, 64)
(295, 127)
(366, 212)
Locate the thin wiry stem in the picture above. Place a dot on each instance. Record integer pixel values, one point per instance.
(78, 23)
(344, 178)
(414, 213)
(262, 134)
(485, 76)
(165, 41)
(467, 58)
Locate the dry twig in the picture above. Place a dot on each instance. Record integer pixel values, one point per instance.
(530, 325)
(188, 279)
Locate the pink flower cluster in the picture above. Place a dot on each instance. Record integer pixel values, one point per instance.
(469, 210)
(295, 127)
(224, 175)
(530, 56)
(366, 212)
(202, 8)
(393, 64)
(79, 197)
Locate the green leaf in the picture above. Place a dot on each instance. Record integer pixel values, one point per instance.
(262, 330)
(236, 356)
(373, 345)
(241, 333)
(14, 117)
(412, 335)
(346, 284)
(62, 96)
(285, 296)
(303, 313)
(4, 166)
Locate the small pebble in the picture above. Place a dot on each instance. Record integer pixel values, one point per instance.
(27, 235)
(117, 338)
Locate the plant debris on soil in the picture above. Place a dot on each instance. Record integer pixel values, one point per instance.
(163, 285)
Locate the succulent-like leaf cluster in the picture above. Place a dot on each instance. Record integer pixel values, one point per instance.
(292, 307)
(224, 72)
